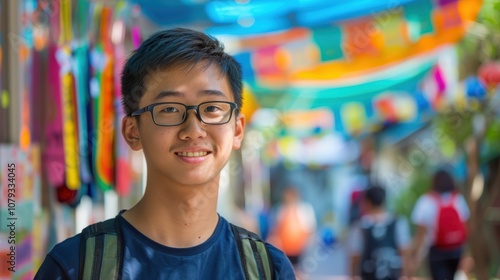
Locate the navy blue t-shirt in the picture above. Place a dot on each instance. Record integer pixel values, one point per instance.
(216, 258)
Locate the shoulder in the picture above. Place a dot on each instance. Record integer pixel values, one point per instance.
(425, 208)
(425, 202)
(282, 267)
(67, 251)
(62, 261)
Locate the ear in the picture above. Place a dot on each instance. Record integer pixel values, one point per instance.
(130, 132)
(239, 131)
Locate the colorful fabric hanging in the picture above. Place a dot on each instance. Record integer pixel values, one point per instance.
(81, 72)
(70, 120)
(104, 106)
(418, 15)
(329, 42)
(53, 153)
(66, 26)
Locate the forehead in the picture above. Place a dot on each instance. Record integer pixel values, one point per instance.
(178, 72)
(186, 79)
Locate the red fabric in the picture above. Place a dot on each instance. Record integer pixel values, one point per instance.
(451, 231)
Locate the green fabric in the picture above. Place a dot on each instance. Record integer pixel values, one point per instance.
(261, 247)
(89, 257)
(253, 271)
(419, 19)
(329, 42)
(110, 259)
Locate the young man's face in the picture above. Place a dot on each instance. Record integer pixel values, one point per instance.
(192, 153)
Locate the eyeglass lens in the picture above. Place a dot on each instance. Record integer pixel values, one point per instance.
(210, 112)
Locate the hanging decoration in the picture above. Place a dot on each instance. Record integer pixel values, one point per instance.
(354, 46)
(104, 103)
(53, 154)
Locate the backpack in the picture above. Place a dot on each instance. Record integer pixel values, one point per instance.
(292, 230)
(101, 252)
(380, 258)
(450, 230)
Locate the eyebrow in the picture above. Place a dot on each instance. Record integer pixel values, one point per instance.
(163, 94)
(170, 93)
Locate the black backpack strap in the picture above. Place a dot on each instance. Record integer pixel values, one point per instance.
(254, 256)
(101, 246)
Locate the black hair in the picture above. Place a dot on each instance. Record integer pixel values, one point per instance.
(375, 195)
(176, 47)
(443, 182)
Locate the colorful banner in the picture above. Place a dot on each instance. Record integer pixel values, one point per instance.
(358, 46)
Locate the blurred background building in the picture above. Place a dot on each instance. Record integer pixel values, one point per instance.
(338, 95)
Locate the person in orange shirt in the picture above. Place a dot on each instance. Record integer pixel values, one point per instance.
(295, 224)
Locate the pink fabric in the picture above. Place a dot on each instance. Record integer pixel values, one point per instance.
(53, 152)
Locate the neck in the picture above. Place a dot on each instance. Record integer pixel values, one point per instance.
(176, 216)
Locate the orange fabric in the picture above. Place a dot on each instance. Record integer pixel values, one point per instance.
(291, 233)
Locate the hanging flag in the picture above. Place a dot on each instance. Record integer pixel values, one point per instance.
(447, 16)
(434, 87)
(265, 61)
(353, 117)
(250, 43)
(362, 38)
(329, 41)
(394, 31)
(300, 54)
(269, 65)
(418, 15)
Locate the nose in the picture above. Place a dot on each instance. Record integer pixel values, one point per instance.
(195, 109)
(192, 128)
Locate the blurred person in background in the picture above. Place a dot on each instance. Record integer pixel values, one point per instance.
(379, 242)
(440, 216)
(294, 225)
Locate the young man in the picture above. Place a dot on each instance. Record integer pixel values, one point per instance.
(379, 242)
(182, 96)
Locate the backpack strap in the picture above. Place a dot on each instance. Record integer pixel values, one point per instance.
(101, 246)
(254, 255)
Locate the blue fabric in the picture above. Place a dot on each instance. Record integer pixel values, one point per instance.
(217, 258)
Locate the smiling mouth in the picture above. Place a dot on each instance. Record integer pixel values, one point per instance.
(192, 154)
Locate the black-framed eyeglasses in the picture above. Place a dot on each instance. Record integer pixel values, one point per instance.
(173, 113)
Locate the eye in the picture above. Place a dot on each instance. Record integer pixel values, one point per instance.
(169, 110)
(212, 109)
